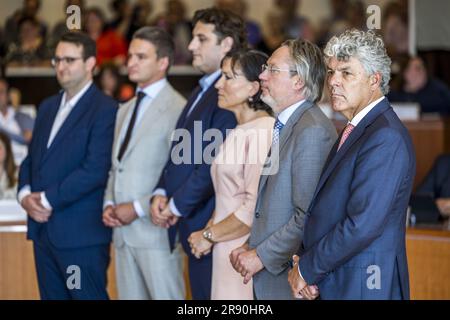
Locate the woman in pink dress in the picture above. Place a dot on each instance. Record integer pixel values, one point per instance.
(235, 172)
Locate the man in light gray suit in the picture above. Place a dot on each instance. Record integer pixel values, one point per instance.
(292, 81)
(145, 266)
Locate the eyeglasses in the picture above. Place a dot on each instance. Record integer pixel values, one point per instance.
(66, 60)
(273, 70)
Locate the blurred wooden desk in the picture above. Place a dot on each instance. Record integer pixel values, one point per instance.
(17, 272)
(428, 249)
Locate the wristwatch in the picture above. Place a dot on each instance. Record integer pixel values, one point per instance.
(207, 234)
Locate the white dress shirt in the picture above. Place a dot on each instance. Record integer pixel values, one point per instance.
(284, 115)
(63, 112)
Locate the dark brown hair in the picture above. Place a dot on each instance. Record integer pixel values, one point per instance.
(250, 63)
(226, 24)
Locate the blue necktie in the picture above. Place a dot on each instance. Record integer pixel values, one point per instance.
(278, 125)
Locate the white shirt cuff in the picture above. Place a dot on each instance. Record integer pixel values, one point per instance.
(45, 202)
(173, 208)
(159, 192)
(298, 268)
(108, 203)
(138, 208)
(25, 191)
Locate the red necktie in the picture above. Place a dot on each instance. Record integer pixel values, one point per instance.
(348, 129)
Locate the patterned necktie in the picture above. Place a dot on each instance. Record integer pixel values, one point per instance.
(127, 138)
(348, 129)
(278, 125)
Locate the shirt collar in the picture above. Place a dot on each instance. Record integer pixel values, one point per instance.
(207, 80)
(357, 119)
(72, 102)
(10, 113)
(284, 115)
(153, 89)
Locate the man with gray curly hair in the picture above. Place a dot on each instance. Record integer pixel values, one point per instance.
(354, 238)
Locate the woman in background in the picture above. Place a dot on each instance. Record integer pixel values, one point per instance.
(236, 171)
(8, 178)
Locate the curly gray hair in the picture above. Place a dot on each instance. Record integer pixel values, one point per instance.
(367, 47)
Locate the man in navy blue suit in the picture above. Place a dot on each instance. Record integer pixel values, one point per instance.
(354, 235)
(184, 197)
(62, 180)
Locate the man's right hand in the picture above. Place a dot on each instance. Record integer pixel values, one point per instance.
(33, 206)
(158, 204)
(109, 218)
(234, 255)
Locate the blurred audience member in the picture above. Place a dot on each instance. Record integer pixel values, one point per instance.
(142, 10)
(61, 27)
(337, 23)
(122, 15)
(2, 45)
(30, 9)
(356, 15)
(174, 21)
(8, 180)
(395, 30)
(31, 50)
(16, 125)
(110, 82)
(417, 86)
(111, 46)
(437, 184)
(284, 23)
(239, 7)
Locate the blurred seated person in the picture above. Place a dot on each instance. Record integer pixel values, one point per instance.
(417, 86)
(122, 16)
(111, 46)
(60, 27)
(239, 7)
(29, 9)
(110, 82)
(284, 23)
(142, 10)
(31, 50)
(17, 126)
(8, 178)
(437, 184)
(174, 21)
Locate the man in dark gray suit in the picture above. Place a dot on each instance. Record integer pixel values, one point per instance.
(292, 81)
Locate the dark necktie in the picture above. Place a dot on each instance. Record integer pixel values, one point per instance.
(127, 138)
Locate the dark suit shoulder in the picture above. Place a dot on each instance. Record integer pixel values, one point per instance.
(104, 102)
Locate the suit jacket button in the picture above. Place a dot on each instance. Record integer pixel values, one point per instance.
(257, 214)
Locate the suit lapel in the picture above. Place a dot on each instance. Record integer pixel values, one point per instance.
(200, 106)
(285, 134)
(75, 114)
(182, 119)
(49, 120)
(120, 122)
(155, 108)
(336, 156)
